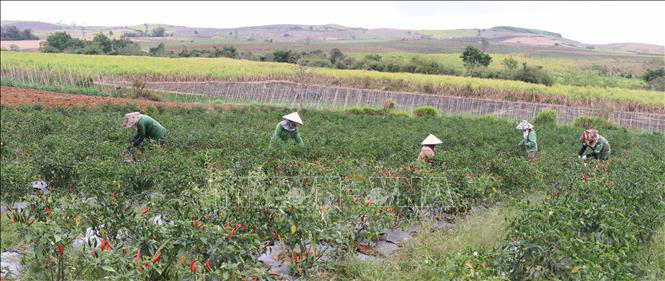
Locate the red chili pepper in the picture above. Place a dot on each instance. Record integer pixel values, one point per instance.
(227, 226)
(254, 278)
(203, 228)
(232, 232)
(30, 223)
(48, 212)
(138, 254)
(62, 252)
(255, 229)
(556, 194)
(147, 263)
(156, 258)
(208, 265)
(145, 210)
(192, 266)
(108, 245)
(182, 260)
(196, 224)
(101, 247)
(244, 227)
(14, 218)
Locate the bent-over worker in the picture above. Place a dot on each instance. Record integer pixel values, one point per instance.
(146, 127)
(428, 149)
(288, 129)
(528, 139)
(600, 148)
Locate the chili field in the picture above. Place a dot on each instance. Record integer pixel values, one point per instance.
(209, 203)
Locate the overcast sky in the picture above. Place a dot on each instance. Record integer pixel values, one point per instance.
(587, 22)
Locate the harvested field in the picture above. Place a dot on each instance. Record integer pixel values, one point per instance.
(22, 44)
(11, 96)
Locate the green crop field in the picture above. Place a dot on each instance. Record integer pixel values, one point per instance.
(222, 68)
(224, 196)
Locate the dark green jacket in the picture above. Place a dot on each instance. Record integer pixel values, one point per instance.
(601, 151)
(285, 135)
(147, 127)
(530, 142)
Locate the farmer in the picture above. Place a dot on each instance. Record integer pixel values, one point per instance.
(146, 127)
(288, 129)
(600, 148)
(428, 147)
(528, 139)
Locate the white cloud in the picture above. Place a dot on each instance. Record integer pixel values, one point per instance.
(588, 22)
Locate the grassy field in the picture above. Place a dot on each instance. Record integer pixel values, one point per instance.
(222, 68)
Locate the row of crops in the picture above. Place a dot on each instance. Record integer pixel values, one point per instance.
(221, 197)
(188, 69)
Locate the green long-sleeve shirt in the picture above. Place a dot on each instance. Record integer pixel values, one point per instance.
(285, 135)
(147, 127)
(602, 149)
(530, 142)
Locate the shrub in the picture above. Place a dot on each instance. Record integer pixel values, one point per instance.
(588, 122)
(425, 111)
(535, 75)
(547, 116)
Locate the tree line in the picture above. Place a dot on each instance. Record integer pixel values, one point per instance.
(10, 32)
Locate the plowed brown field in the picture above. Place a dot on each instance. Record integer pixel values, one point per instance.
(12, 96)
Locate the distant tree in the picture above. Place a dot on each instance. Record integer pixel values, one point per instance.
(159, 32)
(510, 64)
(160, 50)
(651, 74)
(12, 33)
(227, 51)
(532, 74)
(61, 41)
(336, 55)
(103, 42)
(110, 32)
(472, 57)
(285, 56)
(196, 32)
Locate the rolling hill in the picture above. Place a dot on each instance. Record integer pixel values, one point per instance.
(390, 39)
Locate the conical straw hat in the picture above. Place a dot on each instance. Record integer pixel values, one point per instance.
(431, 140)
(293, 117)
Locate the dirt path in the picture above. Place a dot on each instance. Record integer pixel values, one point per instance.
(12, 96)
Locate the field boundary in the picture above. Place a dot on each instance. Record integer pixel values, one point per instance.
(295, 95)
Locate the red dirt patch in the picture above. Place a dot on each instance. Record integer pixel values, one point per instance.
(12, 96)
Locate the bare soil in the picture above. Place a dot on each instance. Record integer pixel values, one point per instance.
(12, 96)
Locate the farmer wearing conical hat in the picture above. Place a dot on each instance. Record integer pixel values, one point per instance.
(528, 138)
(600, 148)
(146, 127)
(428, 147)
(288, 129)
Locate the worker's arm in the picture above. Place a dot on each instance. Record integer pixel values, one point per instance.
(275, 135)
(582, 149)
(299, 139)
(140, 134)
